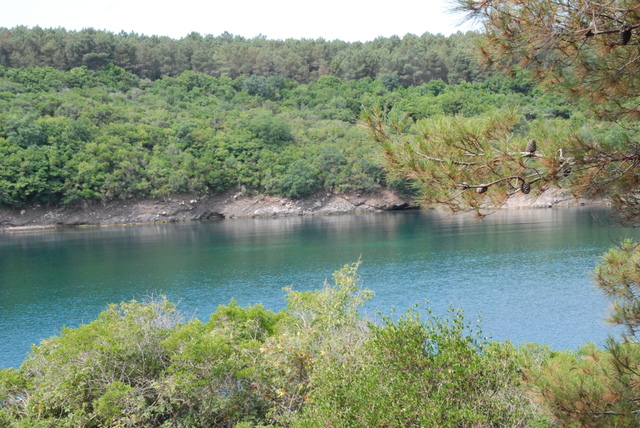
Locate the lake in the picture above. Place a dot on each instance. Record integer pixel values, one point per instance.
(525, 272)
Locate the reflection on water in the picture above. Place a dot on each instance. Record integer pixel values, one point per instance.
(526, 271)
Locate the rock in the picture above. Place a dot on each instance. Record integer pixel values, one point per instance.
(231, 204)
(553, 197)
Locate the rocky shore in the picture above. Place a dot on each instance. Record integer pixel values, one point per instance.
(187, 208)
(230, 205)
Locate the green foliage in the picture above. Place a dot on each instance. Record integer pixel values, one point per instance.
(589, 388)
(190, 134)
(101, 372)
(324, 324)
(332, 306)
(589, 43)
(101, 132)
(415, 373)
(270, 131)
(319, 362)
(476, 161)
(301, 179)
(214, 377)
(618, 276)
(413, 60)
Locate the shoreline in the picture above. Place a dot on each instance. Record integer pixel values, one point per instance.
(191, 208)
(237, 205)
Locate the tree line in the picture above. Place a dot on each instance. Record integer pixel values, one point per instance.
(406, 61)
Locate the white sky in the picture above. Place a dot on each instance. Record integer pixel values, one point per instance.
(348, 20)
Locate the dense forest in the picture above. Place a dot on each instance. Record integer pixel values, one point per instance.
(410, 60)
(72, 128)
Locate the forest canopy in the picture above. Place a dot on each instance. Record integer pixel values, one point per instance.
(411, 60)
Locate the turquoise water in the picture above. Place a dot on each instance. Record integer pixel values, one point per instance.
(526, 272)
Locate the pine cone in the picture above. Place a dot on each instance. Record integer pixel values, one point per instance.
(531, 146)
(625, 34)
(525, 188)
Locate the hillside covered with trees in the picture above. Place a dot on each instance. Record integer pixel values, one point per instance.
(80, 129)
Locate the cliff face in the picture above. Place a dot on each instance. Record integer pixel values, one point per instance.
(229, 205)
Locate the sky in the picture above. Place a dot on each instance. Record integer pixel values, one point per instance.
(347, 20)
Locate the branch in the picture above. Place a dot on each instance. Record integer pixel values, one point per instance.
(442, 160)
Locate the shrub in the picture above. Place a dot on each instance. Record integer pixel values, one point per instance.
(414, 373)
(320, 362)
(301, 179)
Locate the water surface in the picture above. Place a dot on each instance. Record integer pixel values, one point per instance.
(526, 272)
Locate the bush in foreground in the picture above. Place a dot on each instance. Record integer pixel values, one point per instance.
(317, 363)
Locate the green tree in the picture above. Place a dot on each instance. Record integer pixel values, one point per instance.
(270, 130)
(410, 372)
(452, 158)
(260, 86)
(588, 51)
(301, 179)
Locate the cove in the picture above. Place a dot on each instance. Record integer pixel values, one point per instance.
(526, 273)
